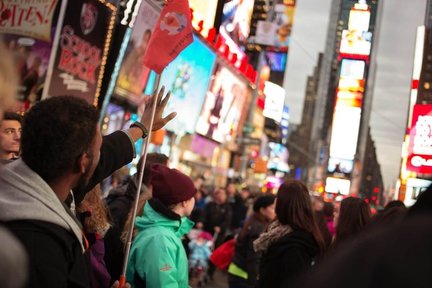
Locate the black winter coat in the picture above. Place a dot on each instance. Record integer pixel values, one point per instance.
(287, 259)
(245, 257)
(55, 255)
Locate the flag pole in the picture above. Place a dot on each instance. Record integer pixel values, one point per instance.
(144, 149)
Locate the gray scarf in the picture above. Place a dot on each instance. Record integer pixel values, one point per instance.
(274, 233)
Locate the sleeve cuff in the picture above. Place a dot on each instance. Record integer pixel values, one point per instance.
(132, 142)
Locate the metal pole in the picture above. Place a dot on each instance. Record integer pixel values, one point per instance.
(144, 153)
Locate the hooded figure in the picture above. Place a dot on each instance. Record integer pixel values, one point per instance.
(157, 257)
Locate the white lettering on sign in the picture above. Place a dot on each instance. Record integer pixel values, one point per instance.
(418, 161)
(423, 136)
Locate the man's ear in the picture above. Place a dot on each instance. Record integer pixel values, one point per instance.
(81, 164)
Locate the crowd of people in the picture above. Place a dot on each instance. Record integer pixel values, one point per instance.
(57, 230)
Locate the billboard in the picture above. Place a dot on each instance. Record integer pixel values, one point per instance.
(345, 130)
(336, 185)
(84, 42)
(274, 101)
(359, 18)
(278, 157)
(340, 167)
(350, 84)
(420, 146)
(276, 32)
(356, 42)
(203, 11)
(133, 75)
(223, 105)
(354, 69)
(188, 77)
(236, 20)
(30, 45)
(276, 60)
(349, 99)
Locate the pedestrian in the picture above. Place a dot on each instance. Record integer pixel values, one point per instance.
(350, 219)
(120, 202)
(10, 136)
(238, 207)
(62, 151)
(157, 257)
(293, 242)
(243, 270)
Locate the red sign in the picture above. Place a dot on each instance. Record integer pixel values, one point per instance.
(420, 146)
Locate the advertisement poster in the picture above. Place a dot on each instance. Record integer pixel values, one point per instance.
(223, 106)
(203, 12)
(28, 18)
(30, 45)
(84, 42)
(133, 75)
(276, 32)
(187, 77)
(236, 20)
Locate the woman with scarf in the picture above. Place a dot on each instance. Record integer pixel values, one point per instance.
(293, 242)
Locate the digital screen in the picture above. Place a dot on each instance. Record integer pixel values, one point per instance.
(133, 75)
(203, 11)
(420, 144)
(353, 69)
(223, 105)
(276, 61)
(351, 99)
(359, 20)
(336, 185)
(356, 42)
(274, 101)
(278, 157)
(115, 115)
(236, 20)
(340, 166)
(187, 77)
(352, 85)
(345, 130)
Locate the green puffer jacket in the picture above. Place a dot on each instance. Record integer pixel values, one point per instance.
(157, 257)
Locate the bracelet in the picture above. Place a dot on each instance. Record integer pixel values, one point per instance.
(140, 126)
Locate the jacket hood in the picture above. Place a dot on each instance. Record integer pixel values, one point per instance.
(26, 196)
(152, 217)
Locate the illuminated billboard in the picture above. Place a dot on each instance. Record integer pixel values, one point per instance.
(350, 99)
(340, 167)
(274, 101)
(420, 146)
(223, 105)
(236, 20)
(359, 19)
(352, 85)
(356, 42)
(203, 11)
(345, 130)
(336, 185)
(188, 77)
(278, 157)
(354, 69)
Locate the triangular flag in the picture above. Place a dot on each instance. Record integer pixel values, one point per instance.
(172, 34)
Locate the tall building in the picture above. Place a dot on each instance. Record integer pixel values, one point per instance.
(416, 164)
(299, 140)
(342, 111)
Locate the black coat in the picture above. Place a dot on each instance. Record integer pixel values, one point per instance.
(287, 259)
(55, 254)
(217, 215)
(245, 257)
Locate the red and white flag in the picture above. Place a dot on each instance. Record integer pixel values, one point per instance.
(172, 34)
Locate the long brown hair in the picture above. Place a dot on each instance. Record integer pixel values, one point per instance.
(294, 208)
(354, 214)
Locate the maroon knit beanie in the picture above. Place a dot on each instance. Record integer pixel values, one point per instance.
(170, 186)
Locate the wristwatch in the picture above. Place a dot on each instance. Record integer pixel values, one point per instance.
(140, 126)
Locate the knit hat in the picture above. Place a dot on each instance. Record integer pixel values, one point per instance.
(263, 202)
(170, 186)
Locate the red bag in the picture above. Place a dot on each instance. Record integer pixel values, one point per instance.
(222, 256)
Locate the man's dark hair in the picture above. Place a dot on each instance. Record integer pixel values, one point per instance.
(153, 158)
(13, 116)
(55, 133)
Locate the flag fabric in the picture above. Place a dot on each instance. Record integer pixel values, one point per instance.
(172, 34)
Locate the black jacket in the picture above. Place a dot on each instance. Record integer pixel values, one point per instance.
(245, 257)
(287, 259)
(217, 215)
(55, 254)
